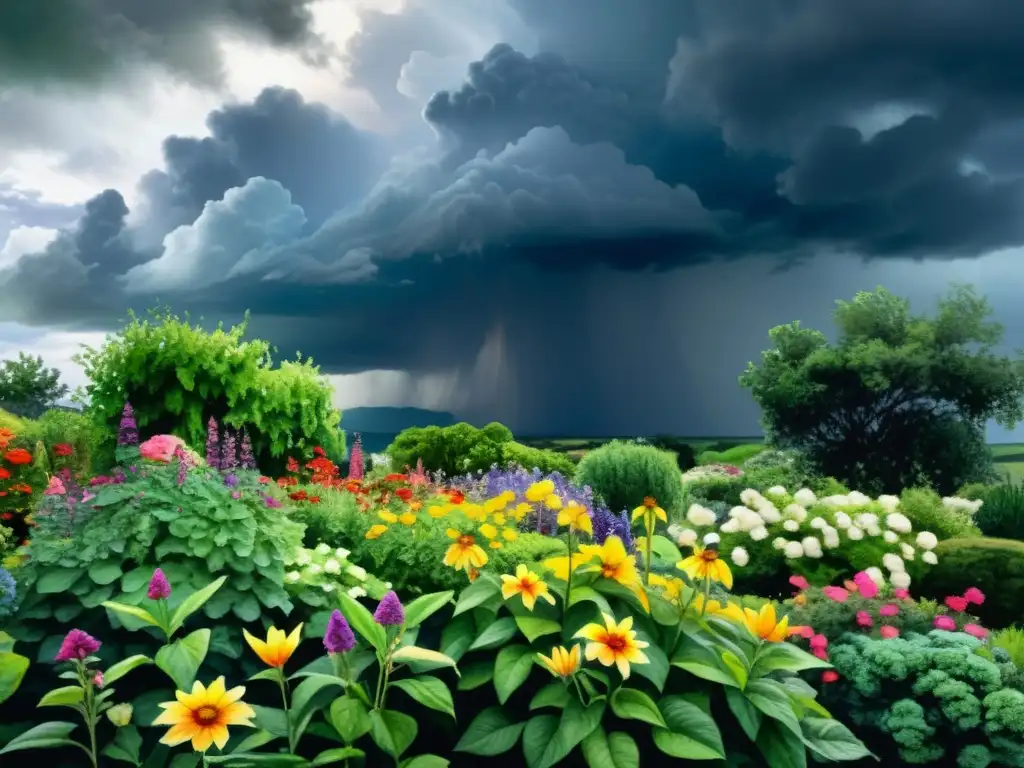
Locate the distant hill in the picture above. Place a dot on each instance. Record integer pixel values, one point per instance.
(393, 419)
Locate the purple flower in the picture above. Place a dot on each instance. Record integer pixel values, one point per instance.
(77, 645)
(271, 502)
(128, 431)
(228, 456)
(159, 587)
(339, 638)
(236, 495)
(390, 612)
(212, 444)
(230, 480)
(355, 461)
(246, 457)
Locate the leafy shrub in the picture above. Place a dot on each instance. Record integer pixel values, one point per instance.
(713, 489)
(926, 699)
(622, 474)
(56, 427)
(21, 480)
(686, 456)
(326, 521)
(736, 454)
(1011, 640)
(517, 454)
(996, 566)
(1002, 511)
(177, 376)
(927, 511)
(452, 450)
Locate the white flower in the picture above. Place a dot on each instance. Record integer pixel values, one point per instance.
(793, 550)
(855, 533)
(907, 550)
(740, 557)
(313, 569)
(956, 504)
(674, 530)
(356, 592)
(899, 523)
(927, 540)
(888, 503)
(687, 537)
(893, 563)
(292, 576)
(819, 523)
(327, 586)
(843, 520)
(779, 542)
(750, 497)
(875, 574)
(929, 557)
(700, 516)
(759, 533)
(836, 501)
(858, 499)
(891, 537)
(776, 490)
(341, 553)
(302, 557)
(812, 547)
(769, 513)
(873, 530)
(796, 512)
(323, 549)
(356, 572)
(830, 538)
(749, 520)
(730, 526)
(866, 520)
(332, 566)
(791, 525)
(805, 497)
(711, 538)
(900, 580)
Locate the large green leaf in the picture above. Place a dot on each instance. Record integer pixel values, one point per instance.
(67, 696)
(12, 670)
(428, 691)
(362, 622)
(458, 635)
(105, 571)
(496, 634)
(746, 714)
(43, 736)
(702, 661)
(511, 669)
(350, 718)
(831, 740)
(194, 602)
(126, 745)
(337, 755)
(181, 659)
(491, 733)
(131, 610)
(533, 627)
(632, 704)
(691, 733)
(393, 732)
(422, 659)
(55, 580)
(656, 668)
(780, 746)
(425, 761)
(303, 696)
(475, 674)
(485, 588)
(420, 609)
(120, 669)
(577, 722)
(555, 694)
(610, 750)
(773, 700)
(773, 657)
(539, 733)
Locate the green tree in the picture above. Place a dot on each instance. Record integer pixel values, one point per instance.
(898, 399)
(177, 376)
(27, 387)
(454, 450)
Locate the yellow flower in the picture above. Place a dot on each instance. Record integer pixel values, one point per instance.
(763, 624)
(559, 566)
(650, 507)
(705, 563)
(575, 516)
(561, 663)
(540, 491)
(495, 545)
(437, 512)
(278, 647)
(496, 504)
(376, 531)
(521, 511)
(714, 608)
(510, 534)
(553, 501)
(488, 531)
(204, 715)
(465, 553)
(474, 512)
(614, 644)
(387, 517)
(498, 518)
(671, 588)
(615, 562)
(525, 583)
(407, 518)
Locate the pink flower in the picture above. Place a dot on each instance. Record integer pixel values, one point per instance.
(944, 622)
(974, 596)
(77, 645)
(865, 585)
(159, 587)
(836, 593)
(799, 582)
(958, 604)
(901, 594)
(821, 653)
(829, 676)
(97, 679)
(889, 609)
(819, 641)
(804, 631)
(161, 447)
(977, 631)
(55, 488)
(889, 632)
(864, 619)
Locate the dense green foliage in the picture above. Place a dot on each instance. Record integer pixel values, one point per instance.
(177, 376)
(898, 400)
(686, 457)
(738, 454)
(927, 699)
(454, 450)
(73, 428)
(1002, 511)
(27, 387)
(927, 512)
(530, 458)
(624, 473)
(995, 566)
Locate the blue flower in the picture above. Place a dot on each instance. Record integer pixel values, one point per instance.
(8, 592)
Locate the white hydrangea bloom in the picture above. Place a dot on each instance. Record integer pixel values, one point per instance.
(907, 550)
(843, 520)
(674, 529)
(750, 497)
(891, 537)
(855, 533)
(819, 523)
(313, 569)
(740, 556)
(796, 512)
(791, 525)
(302, 557)
(836, 501)
(866, 520)
(332, 566)
(793, 550)
(830, 538)
(956, 504)
(805, 497)
(327, 586)
(888, 502)
(292, 576)
(893, 563)
(687, 537)
(873, 530)
(356, 572)
(900, 580)
(759, 533)
(812, 547)
(341, 553)
(730, 526)
(779, 542)
(356, 592)
(711, 538)
(700, 516)
(776, 490)
(927, 540)
(875, 574)
(929, 557)
(858, 499)
(899, 523)
(769, 513)
(323, 549)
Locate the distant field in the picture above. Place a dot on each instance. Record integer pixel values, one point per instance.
(1010, 459)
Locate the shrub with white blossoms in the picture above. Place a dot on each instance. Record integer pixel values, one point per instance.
(313, 575)
(804, 533)
(707, 471)
(967, 506)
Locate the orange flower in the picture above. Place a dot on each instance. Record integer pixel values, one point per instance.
(21, 488)
(18, 456)
(4, 473)
(293, 465)
(404, 494)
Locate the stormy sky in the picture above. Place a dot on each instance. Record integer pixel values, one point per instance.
(576, 217)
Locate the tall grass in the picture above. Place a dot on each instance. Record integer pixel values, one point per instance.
(1011, 640)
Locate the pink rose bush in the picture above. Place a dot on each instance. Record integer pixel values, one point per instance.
(160, 448)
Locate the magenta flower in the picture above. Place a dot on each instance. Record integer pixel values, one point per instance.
(355, 461)
(958, 604)
(974, 596)
(97, 679)
(339, 637)
(865, 585)
(976, 630)
(888, 632)
(864, 619)
(799, 582)
(819, 641)
(390, 612)
(901, 594)
(159, 587)
(889, 609)
(77, 645)
(805, 632)
(944, 622)
(836, 593)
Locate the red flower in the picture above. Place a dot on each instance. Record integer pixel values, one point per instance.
(456, 497)
(958, 604)
(395, 477)
(298, 496)
(7, 515)
(4, 473)
(829, 676)
(318, 451)
(264, 479)
(314, 499)
(18, 456)
(404, 494)
(22, 488)
(63, 449)
(293, 465)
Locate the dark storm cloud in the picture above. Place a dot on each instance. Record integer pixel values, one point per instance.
(84, 40)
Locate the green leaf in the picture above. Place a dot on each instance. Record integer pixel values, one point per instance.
(423, 607)
(554, 694)
(362, 622)
(337, 755)
(497, 634)
(736, 666)
(458, 635)
(772, 657)
(43, 736)
(393, 732)
(491, 733)
(772, 699)
(255, 741)
(631, 704)
(701, 661)
(105, 572)
(421, 659)
(181, 659)
(273, 675)
(746, 714)
(428, 691)
(479, 592)
(577, 722)
(126, 745)
(123, 667)
(691, 734)
(831, 740)
(780, 746)
(585, 594)
(533, 627)
(511, 669)
(243, 759)
(614, 750)
(12, 670)
(425, 761)
(304, 692)
(666, 550)
(539, 733)
(68, 696)
(193, 603)
(475, 674)
(55, 580)
(272, 720)
(131, 610)
(350, 718)
(656, 668)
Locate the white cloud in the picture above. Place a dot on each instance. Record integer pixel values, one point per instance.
(25, 240)
(380, 388)
(57, 348)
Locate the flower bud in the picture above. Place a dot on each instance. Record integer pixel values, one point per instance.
(120, 714)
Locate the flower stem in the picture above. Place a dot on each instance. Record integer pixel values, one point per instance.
(707, 595)
(88, 710)
(568, 579)
(287, 715)
(649, 544)
(382, 662)
(579, 691)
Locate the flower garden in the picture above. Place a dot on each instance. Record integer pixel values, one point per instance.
(183, 609)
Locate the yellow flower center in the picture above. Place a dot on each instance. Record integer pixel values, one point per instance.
(205, 715)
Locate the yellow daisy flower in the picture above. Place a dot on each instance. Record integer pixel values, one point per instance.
(528, 584)
(614, 643)
(576, 517)
(561, 663)
(540, 491)
(387, 517)
(705, 563)
(204, 715)
(465, 553)
(376, 531)
(277, 648)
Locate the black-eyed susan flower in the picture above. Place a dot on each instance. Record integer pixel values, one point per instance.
(465, 553)
(576, 516)
(203, 716)
(764, 624)
(277, 648)
(561, 663)
(614, 643)
(705, 564)
(527, 584)
(650, 508)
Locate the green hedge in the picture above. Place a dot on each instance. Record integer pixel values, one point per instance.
(995, 566)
